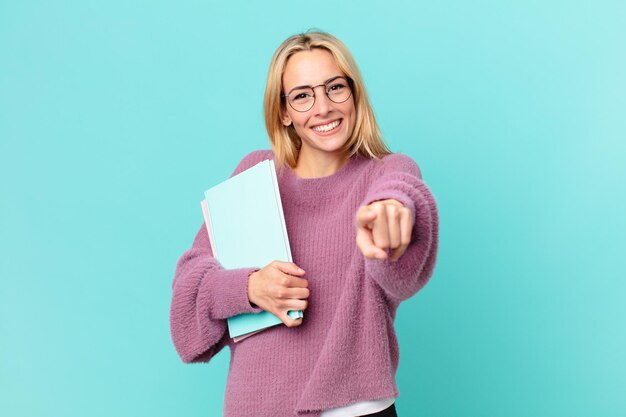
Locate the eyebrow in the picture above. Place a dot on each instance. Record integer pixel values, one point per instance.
(300, 87)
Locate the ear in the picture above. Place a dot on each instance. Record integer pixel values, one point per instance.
(286, 119)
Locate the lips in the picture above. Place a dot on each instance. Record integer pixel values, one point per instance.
(327, 127)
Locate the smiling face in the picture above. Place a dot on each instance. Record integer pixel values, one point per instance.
(327, 126)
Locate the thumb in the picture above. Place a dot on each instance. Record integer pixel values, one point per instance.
(289, 268)
(364, 216)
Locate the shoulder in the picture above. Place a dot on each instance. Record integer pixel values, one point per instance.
(398, 162)
(252, 159)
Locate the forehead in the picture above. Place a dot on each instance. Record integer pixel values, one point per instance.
(310, 68)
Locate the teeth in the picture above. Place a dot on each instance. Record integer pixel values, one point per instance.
(326, 128)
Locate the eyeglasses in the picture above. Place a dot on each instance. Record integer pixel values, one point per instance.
(337, 89)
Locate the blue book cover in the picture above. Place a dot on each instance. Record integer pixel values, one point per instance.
(244, 217)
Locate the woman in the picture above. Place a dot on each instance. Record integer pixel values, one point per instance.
(339, 185)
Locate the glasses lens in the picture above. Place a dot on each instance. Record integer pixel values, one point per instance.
(338, 90)
(301, 99)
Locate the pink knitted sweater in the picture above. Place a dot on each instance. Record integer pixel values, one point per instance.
(346, 349)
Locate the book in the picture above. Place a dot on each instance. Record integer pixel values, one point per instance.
(246, 227)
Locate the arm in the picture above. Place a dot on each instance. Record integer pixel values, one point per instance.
(399, 179)
(204, 295)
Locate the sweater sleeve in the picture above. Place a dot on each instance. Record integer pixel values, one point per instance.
(399, 178)
(204, 295)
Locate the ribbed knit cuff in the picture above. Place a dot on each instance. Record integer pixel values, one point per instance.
(398, 186)
(225, 293)
(391, 194)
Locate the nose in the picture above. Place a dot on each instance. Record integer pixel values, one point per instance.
(322, 105)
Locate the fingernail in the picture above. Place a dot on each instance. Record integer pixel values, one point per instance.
(301, 270)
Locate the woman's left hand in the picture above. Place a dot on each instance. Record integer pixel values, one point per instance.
(384, 225)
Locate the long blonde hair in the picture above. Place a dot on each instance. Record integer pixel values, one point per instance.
(366, 139)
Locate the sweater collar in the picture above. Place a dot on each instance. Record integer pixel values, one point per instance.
(322, 187)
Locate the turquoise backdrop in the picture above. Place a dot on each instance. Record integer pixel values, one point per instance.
(115, 116)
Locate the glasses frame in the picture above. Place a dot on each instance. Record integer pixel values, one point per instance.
(313, 87)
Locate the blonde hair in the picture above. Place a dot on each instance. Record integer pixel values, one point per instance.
(366, 139)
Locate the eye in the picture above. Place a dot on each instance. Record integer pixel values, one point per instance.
(301, 96)
(336, 87)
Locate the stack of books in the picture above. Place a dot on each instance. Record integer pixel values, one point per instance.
(246, 226)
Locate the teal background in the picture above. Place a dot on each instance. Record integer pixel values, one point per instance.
(115, 117)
